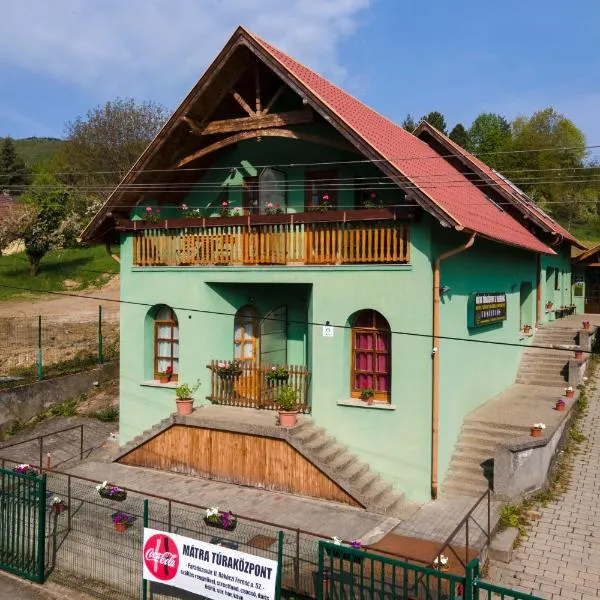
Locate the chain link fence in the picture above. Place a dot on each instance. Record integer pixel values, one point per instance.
(36, 348)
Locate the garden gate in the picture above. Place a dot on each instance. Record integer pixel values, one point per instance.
(22, 524)
(353, 574)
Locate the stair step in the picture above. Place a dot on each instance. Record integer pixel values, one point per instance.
(463, 489)
(477, 430)
(467, 477)
(332, 452)
(342, 461)
(548, 382)
(354, 470)
(467, 458)
(390, 502)
(377, 490)
(307, 433)
(318, 443)
(366, 481)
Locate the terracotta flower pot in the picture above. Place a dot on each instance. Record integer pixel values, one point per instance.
(58, 508)
(527, 330)
(586, 325)
(164, 379)
(536, 432)
(120, 527)
(288, 419)
(570, 393)
(578, 355)
(185, 406)
(561, 406)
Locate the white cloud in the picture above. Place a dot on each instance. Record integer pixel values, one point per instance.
(158, 48)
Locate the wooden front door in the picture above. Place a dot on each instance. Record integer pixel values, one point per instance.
(592, 290)
(246, 349)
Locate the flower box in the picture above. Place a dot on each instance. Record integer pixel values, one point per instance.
(109, 491)
(26, 469)
(122, 521)
(220, 520)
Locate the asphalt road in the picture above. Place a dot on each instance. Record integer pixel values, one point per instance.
(13, 588)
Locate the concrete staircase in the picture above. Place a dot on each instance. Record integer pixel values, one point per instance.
(343, 467)
(330, 457)
(471, 467)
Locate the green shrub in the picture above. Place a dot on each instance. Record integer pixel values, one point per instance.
(287, 398)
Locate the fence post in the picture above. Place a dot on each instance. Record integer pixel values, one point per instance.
(471, 580)
(41, 532)
(39, 361)
(144, 594)
(279, 581)
(100, 353)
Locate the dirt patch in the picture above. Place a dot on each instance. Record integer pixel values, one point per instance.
(105, 396)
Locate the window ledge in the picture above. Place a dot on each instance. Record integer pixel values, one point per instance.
(155, 383)
(360, 404)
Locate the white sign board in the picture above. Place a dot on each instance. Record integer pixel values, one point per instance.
(327, 330)
(206, 569)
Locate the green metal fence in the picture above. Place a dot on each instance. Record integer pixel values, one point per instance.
(23, 524)
(353, 574)
(41, 347)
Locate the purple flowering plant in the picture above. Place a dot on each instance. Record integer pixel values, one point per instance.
(122, 518)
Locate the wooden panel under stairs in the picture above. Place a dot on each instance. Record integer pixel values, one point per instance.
(241, 458)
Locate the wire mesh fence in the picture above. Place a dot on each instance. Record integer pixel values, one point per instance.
(35, 348)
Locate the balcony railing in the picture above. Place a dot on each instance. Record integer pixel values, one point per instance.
(336, 238)
(251, 388)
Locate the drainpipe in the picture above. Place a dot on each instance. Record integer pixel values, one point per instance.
(111, 254)
(435, 387)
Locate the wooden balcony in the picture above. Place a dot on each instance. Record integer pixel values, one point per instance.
(251, 388)
(373, 236)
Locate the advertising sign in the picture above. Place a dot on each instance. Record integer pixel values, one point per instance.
(206, 569)
(488, 308)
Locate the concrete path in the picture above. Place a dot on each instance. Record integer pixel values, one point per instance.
(560, 558)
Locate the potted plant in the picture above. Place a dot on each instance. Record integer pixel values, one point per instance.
(578, 354)
(536, 430)
(288, 413)
(323, 206)
(526, 329)
(229, 369)
(549, 305)
(586, 325)
(341, 554)
(440, 563)
(165, 376)
(122, 521)
(273, 209)
(58, 505)
(152, 216)
(561, 405)
(277, 373)
(26, 469)
(185, 400)
(366, 395)
(569, 392)
(221, 520)
(111, 492)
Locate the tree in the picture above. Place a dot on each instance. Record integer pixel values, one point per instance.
(48, 202)
(14, 223)
(459, 135)
(14, 175)
(489, 134)
(436, 119)
(101, 148)
(409, 123)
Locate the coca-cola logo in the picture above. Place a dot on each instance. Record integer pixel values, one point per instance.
(161, 556)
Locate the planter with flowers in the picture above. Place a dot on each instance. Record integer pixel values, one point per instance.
(323, 206)
(221, 520)
(560, 405)
(586, 325)
(288, 407)
(549, 306)
(185, 400)
(58, 505)
(26, 469)
(277, 373)
(569, 392)
(122, 521)
(273, 209)
(152, 216)
(229, 369)
(578, 354)
(165, 376)
(526, 329)
(111, 492)
(341, 550)
(372, 202)
(440, 563)
(366, 395)
(536, 430)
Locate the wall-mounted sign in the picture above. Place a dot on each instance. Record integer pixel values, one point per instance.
(487, 308)
(327, 330)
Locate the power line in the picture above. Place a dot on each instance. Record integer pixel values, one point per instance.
(290, 321)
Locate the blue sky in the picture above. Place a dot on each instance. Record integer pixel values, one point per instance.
(461, 57)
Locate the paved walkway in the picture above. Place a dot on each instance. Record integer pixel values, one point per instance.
(560, 558)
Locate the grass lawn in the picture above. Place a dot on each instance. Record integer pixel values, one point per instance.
(60, 270)
(588, 234)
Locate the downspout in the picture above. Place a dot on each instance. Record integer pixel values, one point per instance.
(435, 391)
(113, 256)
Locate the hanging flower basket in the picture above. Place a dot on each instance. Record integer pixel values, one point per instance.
(277, 374)
(111, 492)
(229, 370)
(341, 551)
(220, 520)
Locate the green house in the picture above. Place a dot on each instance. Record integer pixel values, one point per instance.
(276, 221)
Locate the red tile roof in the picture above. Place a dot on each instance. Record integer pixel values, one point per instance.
(450, 190)
(523, 201)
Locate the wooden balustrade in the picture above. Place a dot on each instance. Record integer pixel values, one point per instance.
(329, 243)
(249, 387)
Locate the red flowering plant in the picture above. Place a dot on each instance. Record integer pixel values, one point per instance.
(371, 201)
(25, 469)
(323, 206)
(273, 209)
(168, 372)
(152, 216)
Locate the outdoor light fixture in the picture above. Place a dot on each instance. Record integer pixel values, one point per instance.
(445, 289)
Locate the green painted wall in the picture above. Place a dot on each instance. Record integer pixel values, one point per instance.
(563, 295)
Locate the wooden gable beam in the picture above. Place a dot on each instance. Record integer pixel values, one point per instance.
(242, 103)
(249, 123)
(247, 135)
(274, 99)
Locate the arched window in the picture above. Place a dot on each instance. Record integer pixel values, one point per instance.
(371, 355)
(245, 334)
(166, 342)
